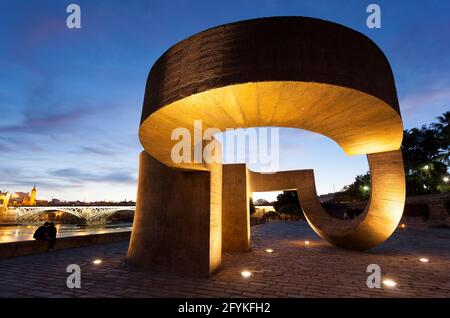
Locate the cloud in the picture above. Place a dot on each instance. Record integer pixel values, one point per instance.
(96, 150)
(425, 99)
(122, 177)
(25, 179)
(5, 148)
(46, 124)
(26, 184)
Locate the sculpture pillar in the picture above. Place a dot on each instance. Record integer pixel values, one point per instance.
(177, 224)
(235, 209)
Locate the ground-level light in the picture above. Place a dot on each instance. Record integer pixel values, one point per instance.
(389, 283)
(269, 250)
(97, 261)
(424, 260)
(246, 274)
(306, 242)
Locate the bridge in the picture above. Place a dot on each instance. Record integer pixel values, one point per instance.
(90, 214)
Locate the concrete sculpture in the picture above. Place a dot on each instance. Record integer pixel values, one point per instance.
(283, 71)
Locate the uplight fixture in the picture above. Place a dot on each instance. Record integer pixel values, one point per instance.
(246, 274)
(389, 283)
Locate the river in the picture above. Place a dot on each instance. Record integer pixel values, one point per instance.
(16, 233)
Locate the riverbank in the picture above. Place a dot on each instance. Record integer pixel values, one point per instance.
(22, 248)
(293, 269)
(17, 233)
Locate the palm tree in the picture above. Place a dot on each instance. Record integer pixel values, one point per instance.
(442, 129)
(426, 157)
(420, 146)
(443, 123)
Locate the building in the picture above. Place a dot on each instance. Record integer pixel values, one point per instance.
(4, 199)
(32, 200)
(19, 198)
(326, 197)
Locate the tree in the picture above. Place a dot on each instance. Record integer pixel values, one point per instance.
(442, 128)
(292, 209)
(252, 208)
(287, 202)
(262, 202)
(426, 157)
(359, 190)
(419, 147)
(426, 160)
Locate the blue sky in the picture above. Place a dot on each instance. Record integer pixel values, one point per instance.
(71, 100)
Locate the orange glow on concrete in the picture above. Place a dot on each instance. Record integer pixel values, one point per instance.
(359, 112)
(251, 105)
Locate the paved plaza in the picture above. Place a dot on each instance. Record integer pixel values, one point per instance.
(294, 269)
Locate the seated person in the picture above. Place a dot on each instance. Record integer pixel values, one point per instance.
(42, 233)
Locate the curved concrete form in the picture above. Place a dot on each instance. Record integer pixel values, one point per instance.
(381, 215)
(372, 227)
(283, 71)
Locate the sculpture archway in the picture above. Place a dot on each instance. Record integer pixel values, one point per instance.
(283, 71)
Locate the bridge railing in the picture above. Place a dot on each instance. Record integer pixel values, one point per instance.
(90, 214)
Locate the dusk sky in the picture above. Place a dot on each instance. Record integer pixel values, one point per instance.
(71, 99)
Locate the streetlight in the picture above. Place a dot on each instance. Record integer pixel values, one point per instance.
(446, 179)
(426, 167)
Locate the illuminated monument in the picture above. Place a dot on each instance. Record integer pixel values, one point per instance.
(284, 71)
(31, 199)
(18, 198)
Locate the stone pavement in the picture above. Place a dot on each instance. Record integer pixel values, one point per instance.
(292, 270)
